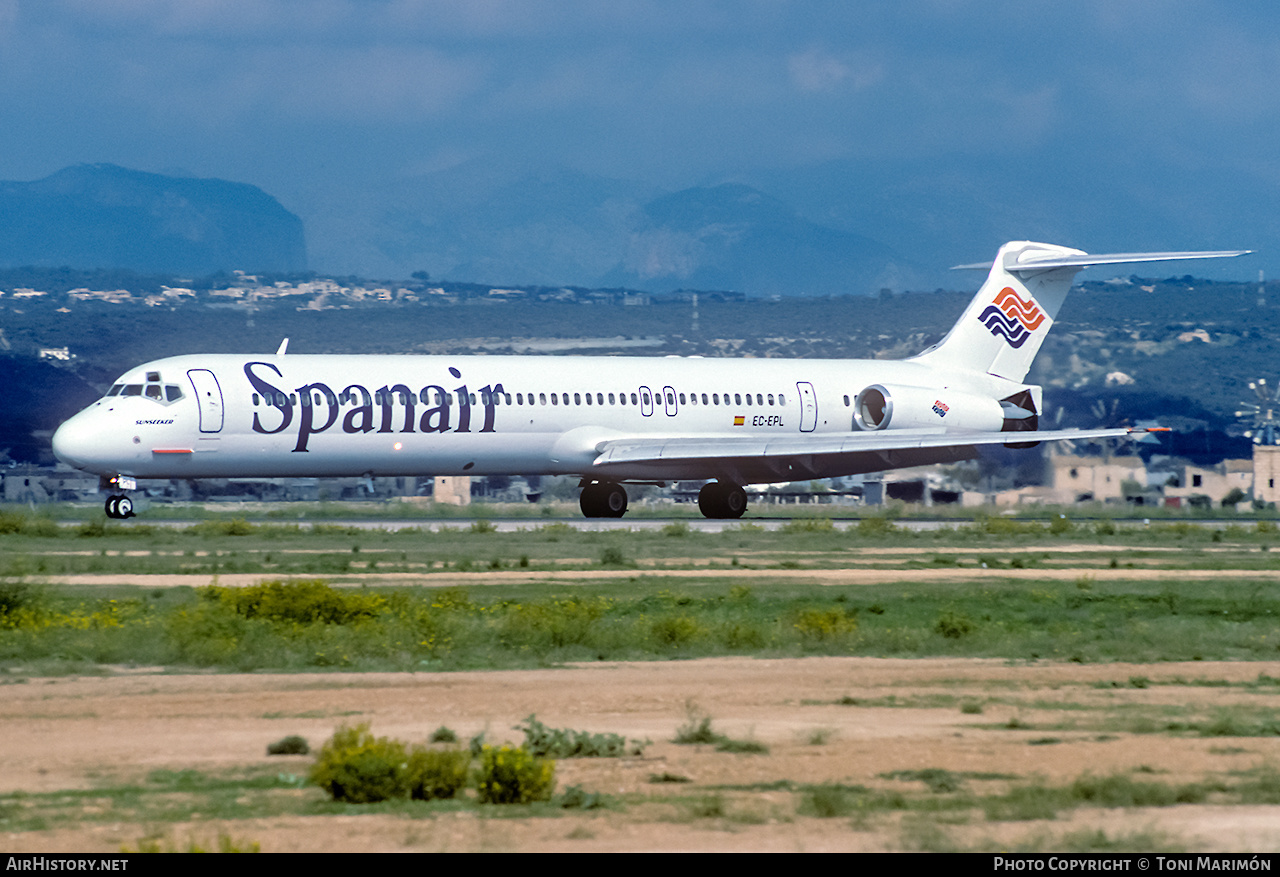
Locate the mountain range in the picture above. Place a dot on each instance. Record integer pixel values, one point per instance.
(829, 229)
(104, 216)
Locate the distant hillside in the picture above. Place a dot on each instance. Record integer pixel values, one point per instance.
(103, 216)
(511, 226)
(736, 237)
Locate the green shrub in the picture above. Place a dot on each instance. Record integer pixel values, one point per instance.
(444, 734)
(300, 602)
(234, 527)
(612, 556)
(825, 624)
(953, 625)
(434, 774)
(356, 767)
(514, 776)
(809, 525)
(875, 526)
(291, 745)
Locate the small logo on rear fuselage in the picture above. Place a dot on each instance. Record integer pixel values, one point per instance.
(941, 408)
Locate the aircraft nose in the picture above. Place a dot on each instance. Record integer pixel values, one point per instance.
(74, 442)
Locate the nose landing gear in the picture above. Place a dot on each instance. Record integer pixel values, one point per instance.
(119, 507)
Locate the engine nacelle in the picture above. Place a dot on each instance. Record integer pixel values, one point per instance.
(882, 407)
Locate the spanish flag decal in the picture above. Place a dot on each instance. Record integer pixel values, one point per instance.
(739, 420)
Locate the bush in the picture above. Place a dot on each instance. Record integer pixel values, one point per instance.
(434, 774)
(444, 734)
(356, 767)
(300, 602)
(514, 776)
(291, 745)
(821, 625)
(953, 625)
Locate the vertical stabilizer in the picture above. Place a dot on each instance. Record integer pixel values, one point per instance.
(1001, 330)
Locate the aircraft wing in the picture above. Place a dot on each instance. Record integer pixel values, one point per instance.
(771, 451)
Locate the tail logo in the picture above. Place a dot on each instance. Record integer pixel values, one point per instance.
(941, 408)
(1012, 317)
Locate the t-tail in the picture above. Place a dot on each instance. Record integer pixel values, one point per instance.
(1002, 329)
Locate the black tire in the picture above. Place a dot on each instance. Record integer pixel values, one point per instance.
(735, 501)
(722, 499)
(112, 502)
(709, 499)
(124, 508)
(590, 501)
(613, 500)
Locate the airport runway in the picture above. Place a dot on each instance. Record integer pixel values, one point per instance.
(700, 525)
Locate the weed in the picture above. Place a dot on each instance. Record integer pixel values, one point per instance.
(1023, 803)
(827, 802)
(697, 728)
(819, 736)
(577, 798)
(742, 747)
(544, 742)
(668, 777)
(224, 844)
(938, 780)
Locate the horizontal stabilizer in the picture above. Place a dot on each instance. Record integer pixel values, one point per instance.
(1038, 260)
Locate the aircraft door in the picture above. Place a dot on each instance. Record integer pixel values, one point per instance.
(808, 406)
(208, 397)
(669, 396)
(646, 401)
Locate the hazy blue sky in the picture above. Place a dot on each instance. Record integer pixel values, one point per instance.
(1173, 99)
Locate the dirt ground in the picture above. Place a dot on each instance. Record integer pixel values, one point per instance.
(825, 720)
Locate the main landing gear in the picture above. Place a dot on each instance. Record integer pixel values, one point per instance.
(722, 499)
(119, 507)
(603, 499)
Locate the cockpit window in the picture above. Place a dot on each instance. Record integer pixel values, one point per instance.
(172, 392)
(132, 390)
(153, 377)
(115, 391)
(153, 391)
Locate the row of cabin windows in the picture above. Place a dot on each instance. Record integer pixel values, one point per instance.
(446, 398)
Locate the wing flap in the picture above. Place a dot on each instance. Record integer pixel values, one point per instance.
(677, 449)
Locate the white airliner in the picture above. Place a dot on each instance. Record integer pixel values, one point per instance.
(609, 420)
